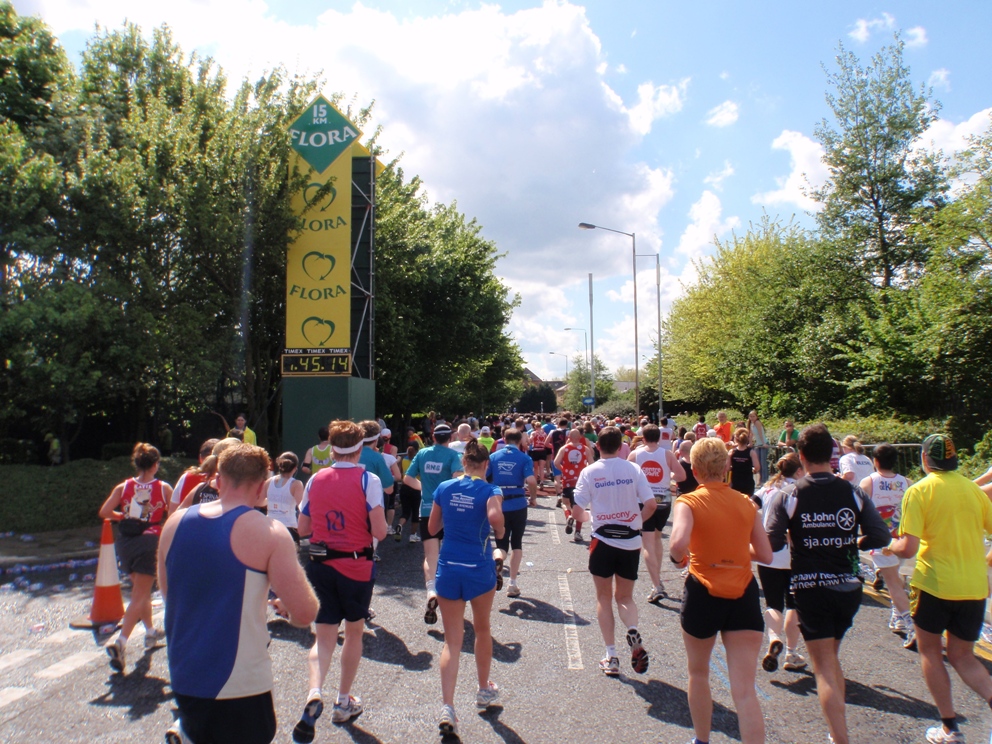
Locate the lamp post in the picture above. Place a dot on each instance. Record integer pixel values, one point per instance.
(558, 353)
(657, 281)
(633, 255)
(586, 336)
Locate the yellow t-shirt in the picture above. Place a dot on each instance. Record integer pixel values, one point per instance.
(487, 442)
(950, 515)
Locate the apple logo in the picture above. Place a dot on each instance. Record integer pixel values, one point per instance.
(317, 331)
(318, 266)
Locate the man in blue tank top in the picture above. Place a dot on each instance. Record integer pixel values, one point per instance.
(215, 561)
(513, 471)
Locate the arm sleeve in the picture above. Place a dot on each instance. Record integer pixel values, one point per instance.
(875, 533)
(776, 521)
(911, 521)
(414, 470)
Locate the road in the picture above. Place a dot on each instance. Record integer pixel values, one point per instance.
(56, 685)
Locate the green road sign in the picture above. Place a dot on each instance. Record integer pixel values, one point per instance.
(321, 134)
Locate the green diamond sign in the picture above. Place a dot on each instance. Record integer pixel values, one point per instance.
(321, 134)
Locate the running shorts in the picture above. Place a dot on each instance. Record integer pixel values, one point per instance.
(826, 613)
(340, 598)
(539, 455)
(657, 521)
(884, 561)
(138, 554)
(514, 523)
(389, 499)
(247, 720)
(555, 472)
(410, 503)
(962, 618)
(568, 494)
(462, 582)
(425, 534)
(775, 586)
(607, 561)
(703, 615)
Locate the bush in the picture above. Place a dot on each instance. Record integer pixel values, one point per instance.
(116, 449)
(37, 498)
(17, 451)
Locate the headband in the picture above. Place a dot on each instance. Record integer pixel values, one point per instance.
(372, 439)
(347, 450)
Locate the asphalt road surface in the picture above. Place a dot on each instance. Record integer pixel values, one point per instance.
(56, 685)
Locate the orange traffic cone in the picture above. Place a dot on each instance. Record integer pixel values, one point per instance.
(108, 602)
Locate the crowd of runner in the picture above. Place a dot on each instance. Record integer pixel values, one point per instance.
(241, 532)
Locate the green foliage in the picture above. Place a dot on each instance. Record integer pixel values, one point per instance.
(537, 399)
(35, 498)
(619, 405)
(579, 383)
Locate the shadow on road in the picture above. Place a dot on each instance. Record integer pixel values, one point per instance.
(864, 696)
(671, 705)
(390, 649)
(507, 653)
(534, 609)
(135, 690)
(504, 732)
(359, 734)
(282, 630)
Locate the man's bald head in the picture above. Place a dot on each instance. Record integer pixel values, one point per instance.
(684, 449)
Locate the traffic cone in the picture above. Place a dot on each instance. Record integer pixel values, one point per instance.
(108, 602)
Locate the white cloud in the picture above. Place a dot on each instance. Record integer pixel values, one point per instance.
(723, 115)
(940, 79)
(705, 224)
(808, 169)
(864, 27)
(725, 75)
(950, 138)
(716, 179)
(654, 103)
(622, 69)
(915, 36)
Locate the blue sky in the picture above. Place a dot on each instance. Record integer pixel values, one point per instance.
(681, 122)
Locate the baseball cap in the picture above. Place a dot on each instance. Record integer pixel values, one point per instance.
(484, 430)
(940, 451)
(385, 434)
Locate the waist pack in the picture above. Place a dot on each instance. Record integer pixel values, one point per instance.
(319, 552)
(129, 527)
(617, 531)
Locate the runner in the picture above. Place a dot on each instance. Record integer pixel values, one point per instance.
(215, 564)
(462, 436)
(539, 454)
(409, 500)
(207, 490)
(760, 442)
(822, 519)
(557, 438)
(945, 518)
(139, 505)
(659, 465)
(466, 509)
(283, 493)
(572, 459)
(618, 499)
(513, 472)
(317, 457)
(192, 477)
(854, 465)
(886, 489)
(373, 461)
(717, 533)
(780, 609)
(690, 483)
(342, 507)
(429, 468)
(486, 439)
(743, 463)
(701, 429)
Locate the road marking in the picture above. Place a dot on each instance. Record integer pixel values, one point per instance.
(553, 526)
(16, 658)
(60, 636)
(69, 664)
(572, 647)
(10, 694)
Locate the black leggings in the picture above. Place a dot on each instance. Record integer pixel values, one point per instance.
(409, 504)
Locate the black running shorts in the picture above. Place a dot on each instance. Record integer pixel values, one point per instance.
(138, 554)
(568, 494)
(657, 521)
(247, 720)
(703, 615)
(425, 534)
(514, 523)
(340, 598)
(826, 613)
(607, 561)
(775, 585)
(962, 618)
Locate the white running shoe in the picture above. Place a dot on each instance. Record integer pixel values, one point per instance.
(937, 735)
(794, 661)
(447, 724)
(657, 594)
(414, 537)
(154, 638)
(344, 713)
(513, 591)
(175, 734)
(486, 697)
(117, 652)
(897, 624)
(910, 640)
(610, 666)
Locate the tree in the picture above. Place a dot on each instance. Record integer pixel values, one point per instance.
(880, 184)
(579, 383)
(538, 399)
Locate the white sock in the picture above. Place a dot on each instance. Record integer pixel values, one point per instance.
(375, 543)
(314, 693)
(122, 639)
(343, 698)
(430, 587)
(513, 582)
(791, 650)
(611, 651)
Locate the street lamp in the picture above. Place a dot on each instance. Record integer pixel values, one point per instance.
(657, 280)
(558, 353)
(586, 336)
(633, 254)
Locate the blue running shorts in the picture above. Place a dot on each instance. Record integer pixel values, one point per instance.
(456, 581)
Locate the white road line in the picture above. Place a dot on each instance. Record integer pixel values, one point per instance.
(10, 694)
(69, 664)
(553, 526)
(60, 636)
(16, 658)
(571, 632)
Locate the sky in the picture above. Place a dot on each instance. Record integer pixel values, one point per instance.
(682, 123)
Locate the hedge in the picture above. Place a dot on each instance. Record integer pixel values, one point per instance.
(37, 498)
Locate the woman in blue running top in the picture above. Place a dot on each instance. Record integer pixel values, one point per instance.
(466, 508)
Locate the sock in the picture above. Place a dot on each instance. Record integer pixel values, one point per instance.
(950, 724)
(430, 587)
(790, 650)
(122, 639)
(314, 693)
(631, 629)
(343, 698)
(611, 651)
(513, 582)
(699, 741)
(375, 543)
(568, 513)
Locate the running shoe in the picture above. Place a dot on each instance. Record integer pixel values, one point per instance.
(447, 724)
(430, 616)
(638, 654)
(937, 735)
(305, 730)
(499, 574)
(794, 661)
(154, 638)
(486, 697)
(558, 505)
(578, 537)
(879, 583)
(770, 662)
(513, 590)
(175, 734)
(117, 652)
(897, 624)
(344, 713)
(569, 525)
(375, 556)
(414, 537)
(398, 535)
(610, 666)
(910, 641)
(657, 594)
